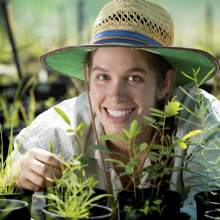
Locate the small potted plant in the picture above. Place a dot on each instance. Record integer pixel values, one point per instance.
(8, 188)
(170, 200)
(10, 209)
(75, 200)
(206, 156)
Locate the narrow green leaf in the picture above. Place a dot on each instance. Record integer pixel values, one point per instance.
(124, 137)
(159, 167)
(213, 131)
(156, 147)
(116, 161)
(85, 161)
(50, 146)
(170, 182)
(122, 174)
(99, 147)
(81, 127)
(138, 150)
(62, 114)
(157, 111)
(192, 133)
(109, 137)
(175, 138)
(207, 76)
(119, 154)
(154, 208)
(157, 115)
(126, 132)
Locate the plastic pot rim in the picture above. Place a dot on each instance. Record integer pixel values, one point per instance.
(24, 204)
(95, 217)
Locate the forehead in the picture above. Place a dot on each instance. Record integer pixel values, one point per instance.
(117, 55)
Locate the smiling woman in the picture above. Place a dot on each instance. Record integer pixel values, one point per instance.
(131, 68)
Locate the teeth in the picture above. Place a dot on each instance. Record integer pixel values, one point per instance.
(117, 114)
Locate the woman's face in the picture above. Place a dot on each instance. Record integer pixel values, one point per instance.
(123, 88)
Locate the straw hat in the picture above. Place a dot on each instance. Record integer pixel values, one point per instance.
(136, 24)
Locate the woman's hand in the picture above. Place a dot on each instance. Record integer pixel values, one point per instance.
(34, 169)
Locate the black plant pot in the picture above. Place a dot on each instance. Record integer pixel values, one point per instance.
(215, 214)
(140, 216)
(102, 201)
(171, 199)
(202, 206)
(12, 209)
(24, 195)
(97, 212)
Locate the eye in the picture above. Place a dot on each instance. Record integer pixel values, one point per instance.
(103, 77)
(135, 78)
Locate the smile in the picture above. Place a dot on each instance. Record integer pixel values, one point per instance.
(119, 113)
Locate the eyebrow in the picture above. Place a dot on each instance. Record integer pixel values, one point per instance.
(135, 69)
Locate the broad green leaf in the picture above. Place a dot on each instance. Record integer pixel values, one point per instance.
(158, 201)
(156, 147)
(152, 175)
(50, 146)
(124, 138)
(116, 161)
(148, 169)
(129, 170)
(99, 147)
(143, 147)
(154, 208)
(165, 152)
(133, 128)
(157, 111)
(86, 160)
(172, 107)
(70, 131)
(109, 137)
(133, 163)
(159, 167)
(62, 114)
(182, 145)
(192, 133)
(127, 133)
(81, 127)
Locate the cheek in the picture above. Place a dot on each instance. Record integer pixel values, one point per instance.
(97, 95)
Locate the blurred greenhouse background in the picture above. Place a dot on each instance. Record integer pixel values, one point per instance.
(41, 26)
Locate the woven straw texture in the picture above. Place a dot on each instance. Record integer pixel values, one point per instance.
(139, 16)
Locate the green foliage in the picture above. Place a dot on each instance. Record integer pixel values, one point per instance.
(7, 178)
(73, 193)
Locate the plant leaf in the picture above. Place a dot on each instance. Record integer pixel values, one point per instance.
(159, 167)
(126, 132)
(143, 147)
(99, 147)
(62, 114)
(156, 147)
(192, 133)
(133, 128)
(81, 127)
(70, 131)
(182, 145)
(170, 182)
(116, 161)
(148, 169)
(157, 111)
(109, 137)
(50, 146)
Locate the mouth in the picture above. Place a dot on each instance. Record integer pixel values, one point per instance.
(119, 113)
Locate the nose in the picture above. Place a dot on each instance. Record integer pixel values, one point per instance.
(118, 91)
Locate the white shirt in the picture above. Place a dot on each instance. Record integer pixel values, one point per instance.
(49, 125)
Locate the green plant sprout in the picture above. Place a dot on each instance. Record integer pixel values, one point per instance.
(13, 109)
(73, 201)
(7, 179)
(207, 155)
(147, 208)
(165, 149)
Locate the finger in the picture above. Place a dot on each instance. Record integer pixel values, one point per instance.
(27, 184)
(49, 158)
(44, 170)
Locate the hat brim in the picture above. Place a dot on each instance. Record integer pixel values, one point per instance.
(68, 61)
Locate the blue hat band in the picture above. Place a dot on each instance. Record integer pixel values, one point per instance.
(124, 37)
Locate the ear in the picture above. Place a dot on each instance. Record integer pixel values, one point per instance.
(168, 81)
